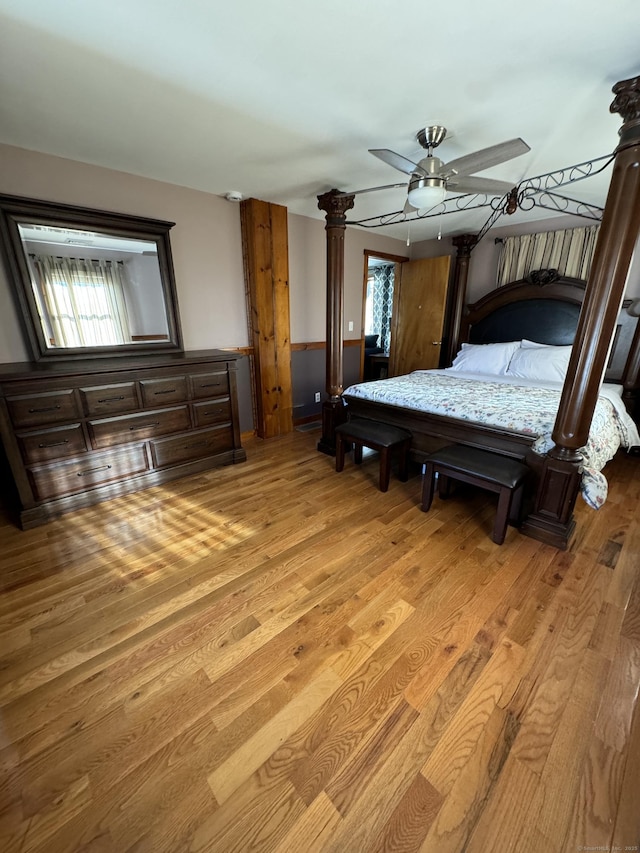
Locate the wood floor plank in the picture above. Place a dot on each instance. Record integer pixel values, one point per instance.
(311, 832)
(626, 830)
(503, 823)
(561, 774)
(226, 778)
(257, 817)
(461, 809)
(594, 811)
(613, 722)
(410, 822)
(460, 739)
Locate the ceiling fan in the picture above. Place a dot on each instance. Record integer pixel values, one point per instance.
(431, 179)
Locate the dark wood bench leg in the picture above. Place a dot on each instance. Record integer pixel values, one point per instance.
(403, 472)
(385, 468)
(516, 505)
(445, 486)
(502, 515)
(339, 452)
(428, 486)
(357, 453)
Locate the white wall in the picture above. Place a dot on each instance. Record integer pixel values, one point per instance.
(207, 250)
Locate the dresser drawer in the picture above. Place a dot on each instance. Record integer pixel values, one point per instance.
(195, 445)
(205, 385)
(157, 392)
(50, 408)
(109, 399)
(212, 412)
(45, 445)
(68, 478)
(110, 431)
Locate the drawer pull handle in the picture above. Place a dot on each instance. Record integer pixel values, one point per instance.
(54, 443)
(145, 426)
(111, 399)
(210, 384)
(168, 391)
(93, 470)
(45, 409)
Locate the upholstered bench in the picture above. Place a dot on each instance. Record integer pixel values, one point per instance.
(384, 438)
(479, 468)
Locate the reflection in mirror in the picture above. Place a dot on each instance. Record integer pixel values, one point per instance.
(88, 282)
(94, 290)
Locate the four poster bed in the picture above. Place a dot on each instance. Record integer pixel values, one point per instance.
(503, 390)
(593, 310)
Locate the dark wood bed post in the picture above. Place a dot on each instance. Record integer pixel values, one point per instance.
(558, 484)
(335, 204)
(464, 244)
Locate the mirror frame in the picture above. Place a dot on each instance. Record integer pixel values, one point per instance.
(15, 211)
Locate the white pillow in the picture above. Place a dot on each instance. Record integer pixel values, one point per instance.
(525, 344)
(541, 363)
(485, 358)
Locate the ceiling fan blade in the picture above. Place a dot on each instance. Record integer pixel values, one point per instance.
(478, 185)
(396, 160)
(375, 189)
(478, 161)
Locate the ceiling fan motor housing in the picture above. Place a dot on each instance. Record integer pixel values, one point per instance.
(426, 187)
(431, 136)
(427, 174)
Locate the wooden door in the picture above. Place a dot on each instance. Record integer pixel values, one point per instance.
(419, 303)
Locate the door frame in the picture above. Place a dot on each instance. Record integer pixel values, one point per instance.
(385, 256)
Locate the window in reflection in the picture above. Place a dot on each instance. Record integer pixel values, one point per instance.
(83, 300)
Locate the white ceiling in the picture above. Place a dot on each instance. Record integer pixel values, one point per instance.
(280, 100)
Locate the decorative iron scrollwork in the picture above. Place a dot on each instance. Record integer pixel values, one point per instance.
(538, 191)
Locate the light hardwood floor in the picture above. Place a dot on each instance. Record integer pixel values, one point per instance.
(276, 657)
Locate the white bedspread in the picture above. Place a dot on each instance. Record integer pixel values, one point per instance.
(514, 404)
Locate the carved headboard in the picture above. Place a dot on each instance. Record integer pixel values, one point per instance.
(544, 307)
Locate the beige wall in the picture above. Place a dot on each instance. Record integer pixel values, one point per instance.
(307, 271)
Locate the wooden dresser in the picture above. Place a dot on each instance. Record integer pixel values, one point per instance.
(82, 431)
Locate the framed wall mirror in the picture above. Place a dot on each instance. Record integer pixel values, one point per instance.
(89, 283)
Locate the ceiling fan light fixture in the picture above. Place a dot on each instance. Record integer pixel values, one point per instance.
(426, 192)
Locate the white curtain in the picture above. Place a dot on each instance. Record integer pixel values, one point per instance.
(569, 252)
(82, 301)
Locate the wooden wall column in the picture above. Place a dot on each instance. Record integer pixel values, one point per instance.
(464, 244)
(335, 204)
(265, 252)
(558, 484)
